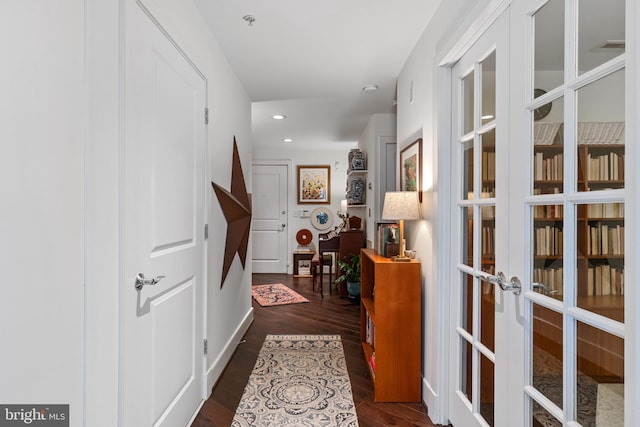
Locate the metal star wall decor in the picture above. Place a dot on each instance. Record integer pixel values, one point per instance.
(236, 207)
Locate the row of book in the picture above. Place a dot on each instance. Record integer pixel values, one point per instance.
(370, 331)
(601, 280)
(488, 241)
(548, 211)
(551, 279)
(605, 239)
(596, 210)
(605, 210)
(548, 241)
(488, 165)
(605, 167)
(605, 280)
(548, 169)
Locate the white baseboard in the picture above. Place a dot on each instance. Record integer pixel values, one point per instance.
(213, 373)
(433, 402)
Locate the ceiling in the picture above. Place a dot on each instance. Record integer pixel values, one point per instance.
(309, 60)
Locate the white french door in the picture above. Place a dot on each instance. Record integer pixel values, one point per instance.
(483, 315)
(539, 178)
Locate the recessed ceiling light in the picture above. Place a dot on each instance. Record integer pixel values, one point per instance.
(279, 117)
(487, 117)
(287, 139)
(370, 88)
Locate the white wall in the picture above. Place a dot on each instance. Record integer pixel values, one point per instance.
(41, 212)
(59, 166)
(417, 118)
(380, 127)
(334, 157)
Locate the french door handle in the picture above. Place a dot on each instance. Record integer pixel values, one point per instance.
(141, 281)
(500, 279)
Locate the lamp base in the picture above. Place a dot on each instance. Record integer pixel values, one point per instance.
(400, 259)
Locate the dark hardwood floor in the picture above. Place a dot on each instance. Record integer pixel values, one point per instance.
(330, 315)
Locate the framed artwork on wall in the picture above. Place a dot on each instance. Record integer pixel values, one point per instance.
(411, 168)
(314, 184)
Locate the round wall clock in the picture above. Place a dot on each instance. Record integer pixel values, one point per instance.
(321, 218)
(542, 111)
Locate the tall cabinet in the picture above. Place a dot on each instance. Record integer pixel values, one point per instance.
(390, 328)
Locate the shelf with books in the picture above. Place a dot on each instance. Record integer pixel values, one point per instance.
(600, 166)
(390, 331)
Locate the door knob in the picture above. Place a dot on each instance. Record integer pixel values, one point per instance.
(500, 279)
(142, 281)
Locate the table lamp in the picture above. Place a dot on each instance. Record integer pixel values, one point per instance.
(401, 205)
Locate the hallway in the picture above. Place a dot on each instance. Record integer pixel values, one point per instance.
(331, 315)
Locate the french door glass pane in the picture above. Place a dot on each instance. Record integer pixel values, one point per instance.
(487, 386)
(600, 381)
(467, 170)
(540, 417)
(549, 45)
(488, 167)
(600, 263)
(487, 315)
(467, 235)
(547, 353)
(548, 150)
(488, 112)
(548, 250)
(466, 384)
(601, 29)
(466, 308)
(600, 133)
(488, 239)
(468, 109)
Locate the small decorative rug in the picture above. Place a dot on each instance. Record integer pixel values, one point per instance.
(298, 380)
(276, 294)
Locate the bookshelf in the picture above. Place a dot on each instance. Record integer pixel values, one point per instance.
(390, 327)
(599, 248)
(600, 227)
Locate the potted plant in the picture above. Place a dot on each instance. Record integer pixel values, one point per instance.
(350, 273)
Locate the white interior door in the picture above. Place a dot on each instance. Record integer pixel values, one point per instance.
(573, 96)
(163, 229)
(269, 228)
(538, 169)
(482, 337)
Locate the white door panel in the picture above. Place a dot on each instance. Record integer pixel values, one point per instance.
(163, 217)
(269, 228)
(483, 337)
(539, 194)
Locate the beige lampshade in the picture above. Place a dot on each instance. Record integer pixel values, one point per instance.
(401, 205)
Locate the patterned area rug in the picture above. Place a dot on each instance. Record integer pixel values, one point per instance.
(275, 294)
(298, 380)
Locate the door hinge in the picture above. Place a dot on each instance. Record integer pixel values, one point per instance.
(206, 231)
(206, 346)
(206, 116)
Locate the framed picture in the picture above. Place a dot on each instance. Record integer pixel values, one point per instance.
(411, 168)
(314, 184)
